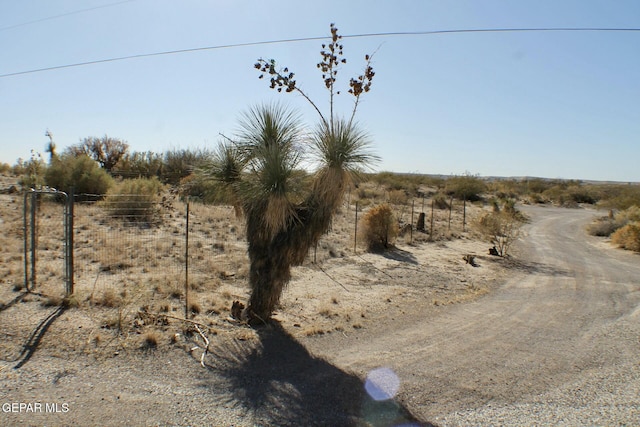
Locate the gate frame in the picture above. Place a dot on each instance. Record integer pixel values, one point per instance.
(68, 237)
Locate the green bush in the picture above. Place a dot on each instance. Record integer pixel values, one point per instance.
(135, 200)
(81, 173)
(179, 164)
(379, 228)
(198, 187)
(628, 237)
(139, 165)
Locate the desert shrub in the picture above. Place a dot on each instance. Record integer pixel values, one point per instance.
(178, 164)
(379, 228)
(398, 197)
(501, 229)
(81, 173)
(536, 198)
(440, 201)
(606, 226)
(31, 172)
(368, 194)
(410, 182)
(538, 185)
(139, 165)
(5, 168)
(135, 200)
(197, 187)
(630, 214)
(602, 227)
(582, 194)
(572, 193)
(466, 186)
(620, 197)
(628, 237)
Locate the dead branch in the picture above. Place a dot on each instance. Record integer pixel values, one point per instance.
(183, 320)
(206, 349)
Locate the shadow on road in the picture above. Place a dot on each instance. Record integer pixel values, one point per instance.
(36, 336)
(532, 267)
(279, 383)
(13, 301)
(400, 255)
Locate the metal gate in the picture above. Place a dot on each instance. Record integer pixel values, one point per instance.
(33, 201)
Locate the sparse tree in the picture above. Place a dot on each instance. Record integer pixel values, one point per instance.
(106, 151)
(283, 218)
(502, 227)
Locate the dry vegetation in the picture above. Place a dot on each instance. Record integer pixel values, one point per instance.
(130, 279)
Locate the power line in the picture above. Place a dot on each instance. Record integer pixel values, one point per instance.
(62, 15)
(304, 39)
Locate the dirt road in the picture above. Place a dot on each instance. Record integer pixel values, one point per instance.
(558, 343)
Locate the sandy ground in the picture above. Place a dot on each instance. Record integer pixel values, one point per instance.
(77, 369)
(413, 337)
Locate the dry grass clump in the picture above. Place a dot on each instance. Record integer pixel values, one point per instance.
(135, 200)
(379, 228)
(313, 330)
(70, 301)
(603, 227)
(470, 294)
(151, 340)
(628, 237)
(195, 308)
(608, 225)
(398, 197)
(52, 301)
(109, 298)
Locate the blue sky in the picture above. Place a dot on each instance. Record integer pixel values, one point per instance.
(548, 104)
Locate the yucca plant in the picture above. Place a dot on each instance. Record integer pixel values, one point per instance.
(285, 218)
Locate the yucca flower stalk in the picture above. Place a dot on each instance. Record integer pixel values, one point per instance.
(259, 166)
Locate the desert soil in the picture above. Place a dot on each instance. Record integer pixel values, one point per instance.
(549, 337)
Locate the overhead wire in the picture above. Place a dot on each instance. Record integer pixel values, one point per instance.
(304, 39)
(62, 15)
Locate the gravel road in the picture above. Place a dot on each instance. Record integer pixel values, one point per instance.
(558, 344)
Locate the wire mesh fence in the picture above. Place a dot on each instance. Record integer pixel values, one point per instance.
(135, 246)
(44, 235)
(130, 244)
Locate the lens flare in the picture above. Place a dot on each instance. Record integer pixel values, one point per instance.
(382, 384)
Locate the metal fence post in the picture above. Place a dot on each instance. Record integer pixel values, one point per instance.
(69, 273)
(464, 212)
(34, 206)
(25, 208)
(431, 229)
(413, 202)
(186, 266)
(355, 234)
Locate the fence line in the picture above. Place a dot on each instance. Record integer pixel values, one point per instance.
(128, 244)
